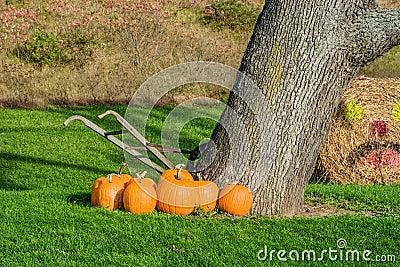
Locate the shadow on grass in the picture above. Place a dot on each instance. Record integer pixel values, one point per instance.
(29, 159)
(9, 185)
(82, 199)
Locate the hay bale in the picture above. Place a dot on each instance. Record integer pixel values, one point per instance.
(355, 152)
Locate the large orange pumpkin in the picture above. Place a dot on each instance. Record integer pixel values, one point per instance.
(110, 193)
(235, 199)
(176, 196)
(140, 195)
(206, 195)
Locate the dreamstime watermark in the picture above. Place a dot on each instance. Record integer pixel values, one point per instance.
(338, 253)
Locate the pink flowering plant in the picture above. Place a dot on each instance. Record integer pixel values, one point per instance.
(114, 14)
(15, 23)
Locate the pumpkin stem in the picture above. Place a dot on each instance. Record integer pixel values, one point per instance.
(109, 176)
(179, 166)
(178, 174)
(140, 176)
(238, 182)
(123, 165)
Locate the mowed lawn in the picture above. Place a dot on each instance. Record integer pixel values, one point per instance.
(46, 219)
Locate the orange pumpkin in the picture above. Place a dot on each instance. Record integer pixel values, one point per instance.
(95, 190)
(110, 193)
(125, 178)
(206, 195)
(176, 196)
(177, 174)
(140, 195)
(235, 199)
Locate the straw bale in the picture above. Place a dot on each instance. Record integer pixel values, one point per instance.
(351, 153)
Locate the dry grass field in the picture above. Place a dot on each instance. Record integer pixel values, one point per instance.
(60, 53)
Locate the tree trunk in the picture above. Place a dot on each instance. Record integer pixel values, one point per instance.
(301, 57)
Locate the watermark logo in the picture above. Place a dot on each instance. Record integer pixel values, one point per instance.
(338, 253)
(341, 243)
(244, 133)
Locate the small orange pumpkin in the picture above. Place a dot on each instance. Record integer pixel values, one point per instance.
(110, 193)
(206, 195)
(124, 178)
(172, 174)
(235, 199)
(176, 196)
(140, 195)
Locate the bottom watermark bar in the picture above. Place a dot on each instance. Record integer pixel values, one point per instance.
(339, 253)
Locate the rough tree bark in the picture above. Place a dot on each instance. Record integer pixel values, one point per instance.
(301, 56)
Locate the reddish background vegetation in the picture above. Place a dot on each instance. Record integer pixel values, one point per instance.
(87, 52)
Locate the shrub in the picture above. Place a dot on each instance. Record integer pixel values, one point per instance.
(42, 48)
(80, 45)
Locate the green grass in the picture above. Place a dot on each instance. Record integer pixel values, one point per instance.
(377, 198)
(46, 219)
